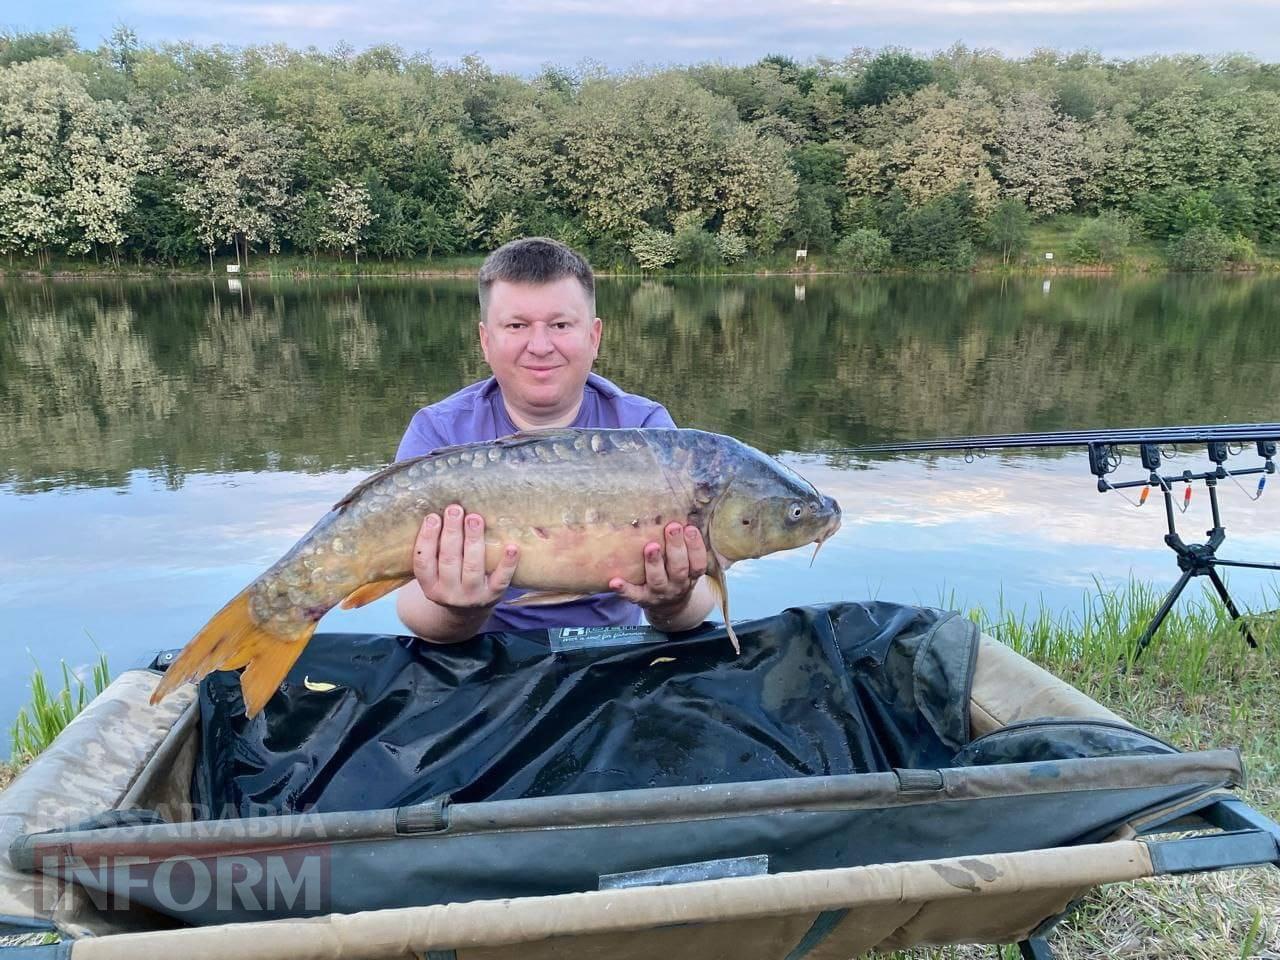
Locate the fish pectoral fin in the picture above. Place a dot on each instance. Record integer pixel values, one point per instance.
(371, 591)
(234, 639)
(541, 598)
(720, 587)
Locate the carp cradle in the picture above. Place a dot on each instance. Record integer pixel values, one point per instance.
(866, 776)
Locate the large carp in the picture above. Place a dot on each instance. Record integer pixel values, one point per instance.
(580, 504)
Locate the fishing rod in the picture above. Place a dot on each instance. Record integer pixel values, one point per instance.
(1155, 445)
(1127, 436)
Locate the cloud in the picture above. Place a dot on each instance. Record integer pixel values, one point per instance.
(522, 35)
(288, 16)
(781, 14)
(302, 16)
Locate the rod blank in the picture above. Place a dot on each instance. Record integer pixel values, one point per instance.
(1235, 432)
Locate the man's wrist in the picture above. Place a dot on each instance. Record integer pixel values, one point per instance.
(439, 623)
(671, 616)
(464, 620)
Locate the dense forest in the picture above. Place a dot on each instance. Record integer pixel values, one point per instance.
(175, 154)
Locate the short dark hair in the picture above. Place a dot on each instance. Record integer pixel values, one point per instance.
(535, 260)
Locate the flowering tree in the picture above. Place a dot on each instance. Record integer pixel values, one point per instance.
(349, 215)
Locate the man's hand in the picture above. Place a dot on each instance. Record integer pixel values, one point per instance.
(452, 596)
(672, 595)
(448, 562)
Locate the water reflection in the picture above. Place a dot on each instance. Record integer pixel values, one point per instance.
(161, 443)
(98, 380)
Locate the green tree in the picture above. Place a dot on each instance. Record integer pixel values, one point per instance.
(1041, 154)
(730, 247)
(1235, 208)
(348, 216)
(157, 229)
(654, 249)
(695, 246)
(124, 50)
(19, 47)
(938, 234)
(891, 74)
(105, 157)
(927, 146)
(756, 190)
(864, 249)
(1008, 228)
(67, 163)
(811, 227)
(1203, 247)
(638, 154)
(1102, 239)
(234, 170)
(309, 228)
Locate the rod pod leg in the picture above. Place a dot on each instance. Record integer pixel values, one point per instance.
(1170, 599)
(1035, 948)
(1231, 607)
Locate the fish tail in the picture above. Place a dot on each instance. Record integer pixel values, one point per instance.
(234, 639)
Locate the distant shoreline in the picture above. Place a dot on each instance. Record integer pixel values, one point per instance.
(464, 273)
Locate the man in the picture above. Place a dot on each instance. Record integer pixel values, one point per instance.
(540, 336)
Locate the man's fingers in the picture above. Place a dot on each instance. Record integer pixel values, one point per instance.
(425, 548)
(655, 568)
(450, 562)
(473, 551)
(697, 550)
(500, 579)
(677, 559)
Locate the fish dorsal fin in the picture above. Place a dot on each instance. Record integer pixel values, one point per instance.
(505, 443)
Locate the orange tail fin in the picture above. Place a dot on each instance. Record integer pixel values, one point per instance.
(232, 639)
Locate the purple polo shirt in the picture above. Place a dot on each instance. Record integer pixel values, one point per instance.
(477, 413)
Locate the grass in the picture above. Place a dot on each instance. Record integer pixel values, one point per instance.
(1198, 686)
(40, 721)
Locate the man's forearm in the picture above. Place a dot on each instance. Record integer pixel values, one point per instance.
(435, 623)
(691, 613)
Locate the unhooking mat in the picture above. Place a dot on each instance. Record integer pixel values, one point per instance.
(373, 722)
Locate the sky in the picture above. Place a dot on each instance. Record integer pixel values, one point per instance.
(521, 36)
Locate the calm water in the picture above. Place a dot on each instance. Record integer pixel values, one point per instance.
(161, 443)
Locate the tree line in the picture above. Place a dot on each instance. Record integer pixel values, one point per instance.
(177, 153)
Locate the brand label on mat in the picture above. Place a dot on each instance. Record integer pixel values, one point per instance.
(568, 639)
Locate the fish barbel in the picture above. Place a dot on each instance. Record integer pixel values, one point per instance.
(581, 504)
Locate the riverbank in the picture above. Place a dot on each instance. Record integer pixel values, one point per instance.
(1047, 254)
(318, 270)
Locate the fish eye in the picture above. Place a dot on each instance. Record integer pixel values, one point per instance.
(796, 511)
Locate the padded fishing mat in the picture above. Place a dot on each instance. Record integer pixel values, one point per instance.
(365, 722)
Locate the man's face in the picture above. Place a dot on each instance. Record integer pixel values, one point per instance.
(540, 341)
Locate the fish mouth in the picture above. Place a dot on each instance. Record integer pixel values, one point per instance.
(833, 524)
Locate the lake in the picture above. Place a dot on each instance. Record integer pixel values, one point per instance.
(162, 442)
